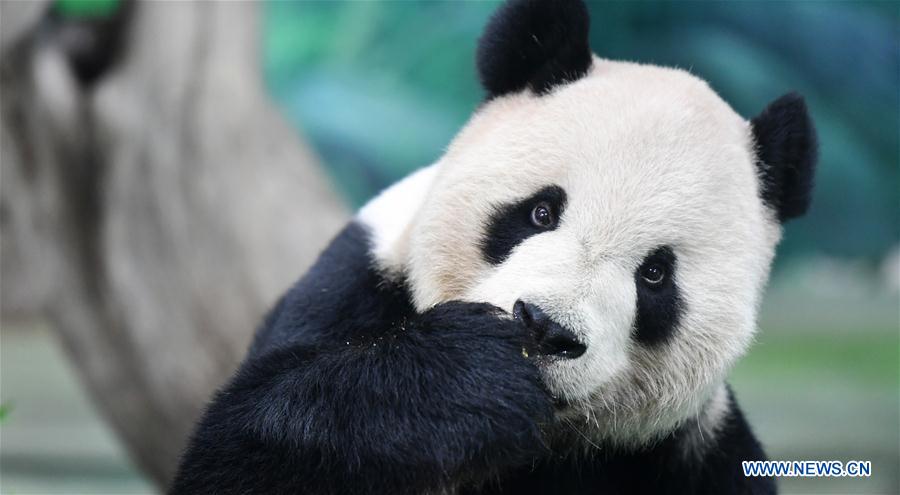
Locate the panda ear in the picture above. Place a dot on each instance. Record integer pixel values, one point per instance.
(536, 44)
(787, 152)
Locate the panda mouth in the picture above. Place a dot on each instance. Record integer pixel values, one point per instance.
(560, 404)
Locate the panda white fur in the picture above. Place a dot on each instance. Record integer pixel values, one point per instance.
(552, 307)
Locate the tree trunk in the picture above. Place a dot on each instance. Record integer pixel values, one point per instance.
(154, 204)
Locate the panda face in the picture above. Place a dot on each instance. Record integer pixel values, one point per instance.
(625, 206)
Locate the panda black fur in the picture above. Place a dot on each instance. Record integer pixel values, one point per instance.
(348, 390)
(400, 364)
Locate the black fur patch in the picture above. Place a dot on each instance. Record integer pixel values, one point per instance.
(787, 151)
(534, 44)
(511, 224)
(659, 307)
(661, 469)
(347, 390)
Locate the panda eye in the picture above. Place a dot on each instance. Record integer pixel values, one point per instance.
(653, 274)
(542, 216)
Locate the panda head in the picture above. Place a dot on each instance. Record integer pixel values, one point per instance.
(626, 205)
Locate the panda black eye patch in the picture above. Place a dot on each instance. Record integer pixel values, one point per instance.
(512, 223)
(659, 303)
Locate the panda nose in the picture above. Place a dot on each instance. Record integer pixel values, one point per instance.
(551, 338)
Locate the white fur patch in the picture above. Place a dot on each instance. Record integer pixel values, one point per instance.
(390, 214)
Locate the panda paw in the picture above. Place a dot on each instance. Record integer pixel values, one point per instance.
(453, 397)
(441, 398)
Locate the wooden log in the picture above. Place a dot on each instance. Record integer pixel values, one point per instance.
(154, 212)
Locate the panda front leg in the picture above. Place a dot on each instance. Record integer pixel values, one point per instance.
(351, 400)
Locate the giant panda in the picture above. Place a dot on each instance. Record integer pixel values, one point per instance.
(551, 307)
